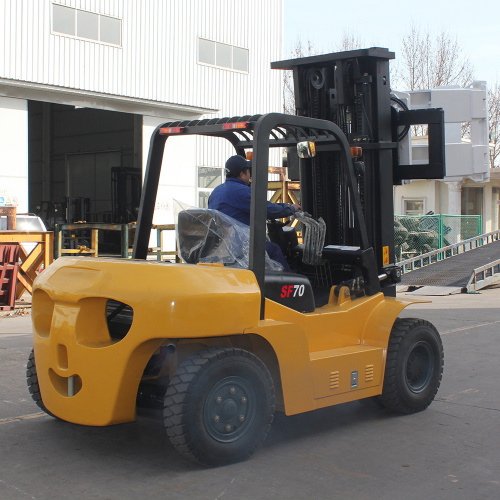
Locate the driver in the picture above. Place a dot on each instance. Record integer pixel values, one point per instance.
(233, 198)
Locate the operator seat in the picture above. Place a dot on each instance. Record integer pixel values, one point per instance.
(205, 235)
(202, 237)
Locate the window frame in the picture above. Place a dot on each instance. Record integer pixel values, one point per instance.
(200, 189)
(75, 30)
(218, 66)
(405, 211)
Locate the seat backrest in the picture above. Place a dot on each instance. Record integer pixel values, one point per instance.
(201, 236)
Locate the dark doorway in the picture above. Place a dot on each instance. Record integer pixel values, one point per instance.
(84, 164)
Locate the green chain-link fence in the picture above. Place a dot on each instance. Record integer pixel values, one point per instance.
(418, 234)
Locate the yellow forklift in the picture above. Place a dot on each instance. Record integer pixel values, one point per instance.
(218, 345)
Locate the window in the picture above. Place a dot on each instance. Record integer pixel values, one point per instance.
(222, 55)
(472, 200)
(208, 179)
(110, 30)
(206, 51)
(88, 25)
(413, 206)
(495, 195)
(240, 59)
(63, 19)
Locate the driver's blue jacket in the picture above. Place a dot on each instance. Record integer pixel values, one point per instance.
(233, 198)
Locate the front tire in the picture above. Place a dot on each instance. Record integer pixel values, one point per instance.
(219, 406)
(414, 366)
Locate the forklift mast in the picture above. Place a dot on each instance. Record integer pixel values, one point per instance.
(352, 90)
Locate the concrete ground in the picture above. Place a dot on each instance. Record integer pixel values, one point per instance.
(352, 451)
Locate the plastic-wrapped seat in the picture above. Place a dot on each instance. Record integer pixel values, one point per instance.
(206, 235)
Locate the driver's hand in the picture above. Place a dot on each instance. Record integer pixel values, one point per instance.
(297, 207)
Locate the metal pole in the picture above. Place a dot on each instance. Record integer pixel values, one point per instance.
(124, 238)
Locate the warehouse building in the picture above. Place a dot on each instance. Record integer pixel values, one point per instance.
(83, 83)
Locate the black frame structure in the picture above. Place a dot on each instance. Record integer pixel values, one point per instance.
(352, 89)
(260, 132)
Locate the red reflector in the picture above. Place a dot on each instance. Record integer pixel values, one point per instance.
(229, 126)
(171, 130)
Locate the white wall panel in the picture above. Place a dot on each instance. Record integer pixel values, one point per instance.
(158, 57)
(157, 60)
(14, 157)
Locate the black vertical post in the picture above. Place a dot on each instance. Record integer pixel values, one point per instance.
(258, 210)
(148, 198)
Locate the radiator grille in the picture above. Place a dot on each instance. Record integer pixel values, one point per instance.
(369, 373)
(334, 380)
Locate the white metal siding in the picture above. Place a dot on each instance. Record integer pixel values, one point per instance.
(157, 61)
(14, 148)
(158, 57)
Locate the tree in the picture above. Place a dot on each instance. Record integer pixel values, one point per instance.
(299, 50)
(349, 41)
(494, 124)
(425, 61)
(428, 61)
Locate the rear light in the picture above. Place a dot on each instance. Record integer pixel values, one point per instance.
(356, 151)
(171, 130)
(235, 125)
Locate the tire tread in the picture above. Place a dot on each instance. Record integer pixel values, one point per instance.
(181, 387)
(32, 381)
(391, 395)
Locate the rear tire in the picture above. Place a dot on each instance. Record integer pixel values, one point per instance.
(219, 406)
(32, 381)
(414, 366)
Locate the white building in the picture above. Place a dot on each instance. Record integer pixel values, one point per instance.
(83, 83)
(470, 187)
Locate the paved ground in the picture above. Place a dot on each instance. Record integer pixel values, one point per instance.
(353, 451)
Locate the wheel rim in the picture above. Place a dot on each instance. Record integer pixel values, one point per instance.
(229, 409)
(419, 366)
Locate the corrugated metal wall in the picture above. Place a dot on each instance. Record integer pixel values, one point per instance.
(157, 61)
(258, 26)
(158, 57)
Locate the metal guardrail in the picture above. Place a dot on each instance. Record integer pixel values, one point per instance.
(94, 228)
(486, 275)
(124, 229)
(428, 258)
(159, 242)
(415, 235)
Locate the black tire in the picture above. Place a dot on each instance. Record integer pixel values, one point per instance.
(219, 406)
(32, 381)
(414, 366)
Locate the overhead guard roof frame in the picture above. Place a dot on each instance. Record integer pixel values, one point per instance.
(263, 132)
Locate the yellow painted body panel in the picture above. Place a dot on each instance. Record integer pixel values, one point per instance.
(343, 336)
(332, 369)
(316, 352)
(169, 301)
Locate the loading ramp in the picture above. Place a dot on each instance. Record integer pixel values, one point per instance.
(468, 271)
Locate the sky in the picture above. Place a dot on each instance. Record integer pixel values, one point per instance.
(476, 26)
